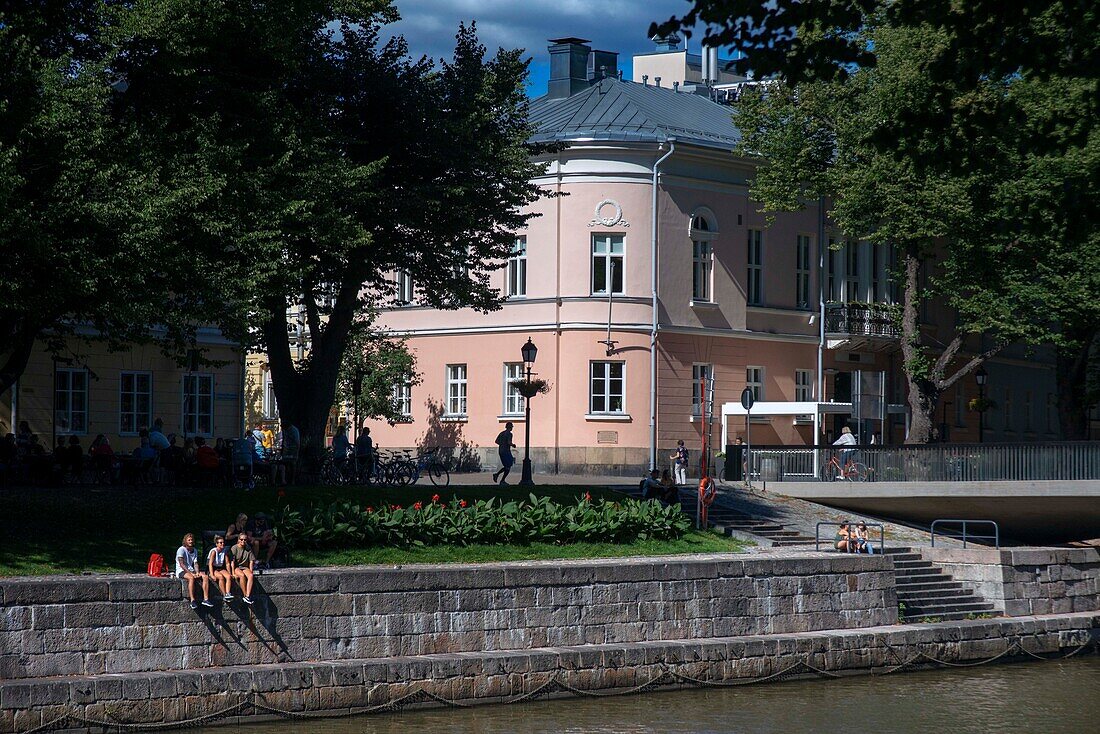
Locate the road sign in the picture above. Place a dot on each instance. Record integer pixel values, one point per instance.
(747, 398)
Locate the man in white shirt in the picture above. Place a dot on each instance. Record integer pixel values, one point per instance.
(187, 567)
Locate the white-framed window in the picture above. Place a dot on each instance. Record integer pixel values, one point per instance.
(513, 401)
(803, 386)
(1052, 413)
(135, 401)
(702, 258)
(701, 265)
(802, 272)
(270, 403)
(517, 269)
(402, 398)
(198, 404)
(403, 287)
(607, 393)
(754, 380)
(755, 283)
(832, 260)
(70, 401)
(876, 279)
(960, 406)
(456, 389)
(608, 255)
(698, 372)
(851, 271)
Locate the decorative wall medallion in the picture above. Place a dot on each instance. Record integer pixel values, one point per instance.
(609, 214)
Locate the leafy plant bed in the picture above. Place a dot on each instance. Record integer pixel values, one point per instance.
(67, 530)
(479, 522)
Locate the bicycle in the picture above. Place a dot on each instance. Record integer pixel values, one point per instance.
(851, 470)
(427, 461)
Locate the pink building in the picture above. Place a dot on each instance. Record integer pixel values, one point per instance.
(651, 270)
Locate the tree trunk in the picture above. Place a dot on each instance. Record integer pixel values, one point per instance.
(1071, 370)
(306, 392)
(923, 393)
(16, 351)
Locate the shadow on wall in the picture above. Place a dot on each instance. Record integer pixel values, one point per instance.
(454, 450)
(253, 397)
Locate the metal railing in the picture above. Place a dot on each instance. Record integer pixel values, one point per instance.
(861, 319)
(964, 535)
(881, 534)
(942, 462)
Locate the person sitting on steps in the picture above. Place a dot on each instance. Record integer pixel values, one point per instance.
(244, 561)
(843, 540)
(187, 568)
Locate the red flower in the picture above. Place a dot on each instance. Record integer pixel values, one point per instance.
(444, 505)
(395, 507)
(435, 498)
(370, 510)
(417, 505)
(462, 503)
(587, 496)
(281, 493)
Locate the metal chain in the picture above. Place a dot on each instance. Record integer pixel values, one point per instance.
(554, 684)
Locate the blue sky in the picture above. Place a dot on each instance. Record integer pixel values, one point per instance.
(611, 25)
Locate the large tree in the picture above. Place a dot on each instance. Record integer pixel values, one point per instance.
(343, 160)
(961, 135)
(92, 228)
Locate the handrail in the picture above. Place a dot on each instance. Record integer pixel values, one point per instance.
(880, 526)
(996, 537)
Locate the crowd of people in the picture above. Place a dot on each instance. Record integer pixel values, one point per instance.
(235, 558)
(159, 458)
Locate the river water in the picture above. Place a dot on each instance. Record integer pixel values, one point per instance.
(1053, 697)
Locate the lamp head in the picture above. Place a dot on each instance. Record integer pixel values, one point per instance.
(529, 350)
(981, 376)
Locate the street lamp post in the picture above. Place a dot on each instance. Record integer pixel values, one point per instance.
(529, 350)
(980, 377)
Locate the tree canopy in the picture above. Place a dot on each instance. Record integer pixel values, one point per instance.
(962, 135)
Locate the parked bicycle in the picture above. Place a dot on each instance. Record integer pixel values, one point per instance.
(851, 470)
(408, 469)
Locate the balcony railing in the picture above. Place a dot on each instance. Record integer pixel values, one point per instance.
(862, 319)
(1016, 462)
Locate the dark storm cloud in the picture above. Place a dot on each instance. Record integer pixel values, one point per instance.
(612, 25)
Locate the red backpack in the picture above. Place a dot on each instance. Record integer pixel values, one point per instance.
(156, 565)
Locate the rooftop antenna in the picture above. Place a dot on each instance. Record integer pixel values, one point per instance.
(645, 80)
(657, 80)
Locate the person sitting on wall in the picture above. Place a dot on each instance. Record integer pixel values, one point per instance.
(244, 561)
(863, 539)
(670, 493)
(262, 537)
(220, 567)
(187, 568)
(651, 486)
(843, 540)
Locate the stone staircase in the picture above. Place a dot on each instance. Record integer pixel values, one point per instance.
(926, 591)
(734, 523)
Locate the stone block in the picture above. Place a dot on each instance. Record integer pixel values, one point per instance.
(53, 591)
(91, 615)
(15, 618)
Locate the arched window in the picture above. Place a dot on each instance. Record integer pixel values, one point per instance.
(702, 233)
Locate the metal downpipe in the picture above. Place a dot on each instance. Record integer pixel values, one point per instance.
(653, 332)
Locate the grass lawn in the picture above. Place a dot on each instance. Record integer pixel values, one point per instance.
(114, 529)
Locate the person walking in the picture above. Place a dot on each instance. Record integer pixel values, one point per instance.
(504, 450)
(680, 462)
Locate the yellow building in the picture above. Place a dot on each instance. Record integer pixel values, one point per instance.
(95, 391)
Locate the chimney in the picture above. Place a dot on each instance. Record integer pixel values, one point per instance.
(603, 64)
(568, 67)
(667, 43)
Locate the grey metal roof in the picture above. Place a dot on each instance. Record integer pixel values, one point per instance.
(612, 109)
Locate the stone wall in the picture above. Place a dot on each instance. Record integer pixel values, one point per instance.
(350, 686)
(1026, 581)
(80, 626)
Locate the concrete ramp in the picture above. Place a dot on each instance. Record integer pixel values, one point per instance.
(1035, 512)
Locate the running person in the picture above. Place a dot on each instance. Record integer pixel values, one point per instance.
(504, 450)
